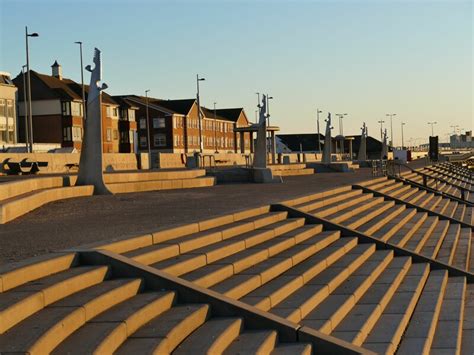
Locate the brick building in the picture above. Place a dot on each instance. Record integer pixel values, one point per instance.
(174, 126)
(57, 112)
(7, 109)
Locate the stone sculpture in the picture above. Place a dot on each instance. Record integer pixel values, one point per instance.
(327, 141)
(90, 164)
(384, 154)
(260, 156)
(362, 156)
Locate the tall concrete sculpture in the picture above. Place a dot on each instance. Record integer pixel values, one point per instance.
(362, 156)
(90, 164)
(260, 156)
(327, 141)
(384, 153)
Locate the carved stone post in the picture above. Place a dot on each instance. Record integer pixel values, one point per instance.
(90, 164)
(327, 141)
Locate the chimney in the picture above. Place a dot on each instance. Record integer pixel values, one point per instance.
(57, 70)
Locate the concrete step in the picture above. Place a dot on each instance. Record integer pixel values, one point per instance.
(213, 337)
(435, 239)
(421, 235)
(156, 185)
(394, 225)
(173, 247)
(407, 194)
(409, 227)
(220, 270)
(347, 213)
(329, 313)
(163, 334)
(449, 326)
(460, 213)
(416, 196)
(253, 342)
(462, 255)
(387, 332)
(45, 330)
(106, 332)
(25, 300)
(293, 172)
(358, 323)
(467, 344)
(392, 186)
(362, 217)
(377, 222)
(338, 204)
(331, 199)
(275, 291)
(419, 334)
(300, 303)
(292, 349)
(448, 247)
(247, 280)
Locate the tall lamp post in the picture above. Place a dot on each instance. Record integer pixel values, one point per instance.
(84, 114)
(432, 129)
(30, 116)
(381, 129)
(341, 130)
(148, 139)
(318, 111)
(391, 115)
(403, 123)
(215, 130)
(27, 139)
(198, 79)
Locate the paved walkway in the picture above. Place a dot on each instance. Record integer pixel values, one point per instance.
(78, 221)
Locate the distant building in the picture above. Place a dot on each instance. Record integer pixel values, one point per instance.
(58, 112)
(174, 126)
(8, 117)
(461, 141)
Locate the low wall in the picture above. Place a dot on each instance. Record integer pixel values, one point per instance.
(57, 161)
(178, 160)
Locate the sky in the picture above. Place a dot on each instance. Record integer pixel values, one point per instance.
(364, 58)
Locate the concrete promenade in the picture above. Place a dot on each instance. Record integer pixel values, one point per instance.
(75, 222)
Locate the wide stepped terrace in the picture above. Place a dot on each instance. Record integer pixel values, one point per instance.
(379, 267)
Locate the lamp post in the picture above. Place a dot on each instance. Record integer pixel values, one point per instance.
(391, 126)
(198, 79)
(319, 138)
(215, 131)
(341, 130)
(381, 129)
(432, 129)
(30, 116)
(84, 114)
(148, 129)
(268, 120)
(402, 124)
(25, 108)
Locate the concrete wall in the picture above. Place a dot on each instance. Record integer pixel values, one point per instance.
(57, 161)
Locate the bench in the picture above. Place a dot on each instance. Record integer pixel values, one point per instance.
(71, 166)
(25, 167)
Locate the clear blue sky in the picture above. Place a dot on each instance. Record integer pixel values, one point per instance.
(366, 58)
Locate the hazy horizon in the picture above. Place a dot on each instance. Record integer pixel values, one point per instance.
(363, 58)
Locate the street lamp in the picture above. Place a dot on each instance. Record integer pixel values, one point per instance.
(25, 107)
(30, 116)
(148, 129)
(432, 130)
(341, 129)
(84, 114)
(198, 79)
(318, 111)
(215, 131)
(391, 126)
(381, 129)
(403, 123)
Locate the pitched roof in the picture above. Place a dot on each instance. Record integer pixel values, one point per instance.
(64, 89)
(231, 114)
(308, 141)
(179, 106)
(209, 113)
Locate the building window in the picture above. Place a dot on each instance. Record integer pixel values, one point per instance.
(76, 109)
(66, 108)
(131, 115)
(159, 122)
(115, 134)
(77, 134)
(159, 140)
(115, 112)
(3, 111)
(142, 123)
(143, 142)
(130, 136)
(10, 108)
(67, 134)
(109, 134)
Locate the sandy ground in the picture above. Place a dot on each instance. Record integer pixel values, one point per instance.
(75, 222)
